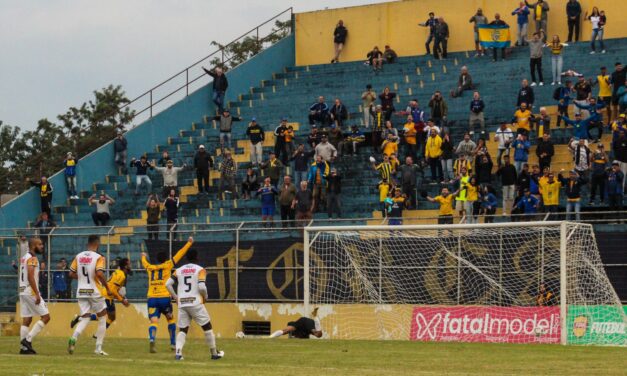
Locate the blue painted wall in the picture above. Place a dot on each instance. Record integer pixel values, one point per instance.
(95, 166)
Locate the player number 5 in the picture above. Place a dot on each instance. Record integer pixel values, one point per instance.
(188, 285)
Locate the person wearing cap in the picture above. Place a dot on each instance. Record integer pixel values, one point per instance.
(317, 180)
(598, 175)
(389, 55)
(256, 136)
(325, 150)
(120, 146)
(280, 146)
(70, 163)
(219, 86)
(528, 204)
(287, 194)
(141, 173)
(202, 163)
(334, 191)
(225, 120)
(170, 176)
(45, 194)
(615, 183)
(572, 187)
(338, 113)
(617, 78)
(368, 98)
(618, 125)
(319, 112)
(272, 168)
(228, 171)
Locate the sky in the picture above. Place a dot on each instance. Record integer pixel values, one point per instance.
(55, 53)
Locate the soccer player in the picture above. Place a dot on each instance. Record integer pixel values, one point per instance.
(302, 327)
(158, 296)
(31, 303)
(190, 296)
(88, 268)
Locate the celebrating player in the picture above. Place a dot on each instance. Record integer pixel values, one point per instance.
(158, 296)
(88, 268)
(31, 303)
(191, 295)
(302, 327)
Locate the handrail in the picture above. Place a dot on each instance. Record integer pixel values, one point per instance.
(185, 71)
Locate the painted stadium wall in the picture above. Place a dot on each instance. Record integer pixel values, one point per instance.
(396, 24)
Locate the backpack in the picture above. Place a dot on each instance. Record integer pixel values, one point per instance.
(556, 93)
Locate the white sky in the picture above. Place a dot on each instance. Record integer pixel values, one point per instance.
(55, 53)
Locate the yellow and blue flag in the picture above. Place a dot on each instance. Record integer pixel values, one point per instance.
(495, 36)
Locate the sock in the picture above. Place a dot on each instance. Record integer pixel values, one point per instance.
(100, 332)
(276, 334)
(36, 329)
(172, 331)
(82, 324)
(152, 331)
(93, 317)
(317, 324)
(109, 322)
(211, 341)
(180, 342)
(23, 332)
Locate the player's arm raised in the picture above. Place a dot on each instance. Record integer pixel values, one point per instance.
(181, 253)
(31, 280)
(145, 262)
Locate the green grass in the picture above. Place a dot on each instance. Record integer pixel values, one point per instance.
(311, 357)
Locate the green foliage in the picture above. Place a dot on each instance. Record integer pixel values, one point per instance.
(31, 154)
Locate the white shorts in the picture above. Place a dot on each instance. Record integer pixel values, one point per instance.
(28, 308)
(91, 305)
(197, 313)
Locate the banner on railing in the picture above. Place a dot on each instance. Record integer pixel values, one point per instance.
(599, 325)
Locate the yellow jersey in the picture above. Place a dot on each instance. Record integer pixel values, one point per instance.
(523, 118)
(605, 90)
(159, 274)
(116, 281)
(446, 204)
(389, 147)
(550, 192)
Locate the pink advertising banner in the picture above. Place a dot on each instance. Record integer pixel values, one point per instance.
(486, 324)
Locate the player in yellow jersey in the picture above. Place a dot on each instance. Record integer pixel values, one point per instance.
(158, 295)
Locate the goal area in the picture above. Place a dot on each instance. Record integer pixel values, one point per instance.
(532, 282)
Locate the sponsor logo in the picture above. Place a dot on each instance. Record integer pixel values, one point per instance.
(188, 271)
(580, 326)
(84, 260)
(607, 328)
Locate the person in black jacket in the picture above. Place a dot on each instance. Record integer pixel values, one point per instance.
(526, 95)
(120, 146)
(338, 113)
(220, 84)
(334, 189)
(202, 163)
(45, 194)
(507, 172)
(339, 38)
(483, 169)
(301, 159)
(387, 102)
(256, 136)
(441, 34)
(545, 151)
(572, 188)
(430, 23)
(280, 146)
(573, 11)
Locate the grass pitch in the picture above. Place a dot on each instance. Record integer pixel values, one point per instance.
(311, 357)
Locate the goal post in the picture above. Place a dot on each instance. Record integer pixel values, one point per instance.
(522, 282)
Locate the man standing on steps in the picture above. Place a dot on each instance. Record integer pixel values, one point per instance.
(478, 19)
(573, 11)
(256, 136)
(535, 59)
(431, 22)
(540, 15)
(220, 84)
(441, 33)
(339, 38)
(202, 163)
(119, 149)
(226, 126)
(498, 22)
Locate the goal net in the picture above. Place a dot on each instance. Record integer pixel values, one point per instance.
(516, 282)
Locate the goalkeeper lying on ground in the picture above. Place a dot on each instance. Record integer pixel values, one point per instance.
(302, 327)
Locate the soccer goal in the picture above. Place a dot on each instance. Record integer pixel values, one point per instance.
(532, 282)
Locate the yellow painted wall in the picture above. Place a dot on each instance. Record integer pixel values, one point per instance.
(396, 24)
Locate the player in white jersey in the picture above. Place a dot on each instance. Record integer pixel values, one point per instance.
(191, 296)
(31, 303)
(88, 268)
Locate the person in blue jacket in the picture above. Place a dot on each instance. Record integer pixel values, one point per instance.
(596, 118)
(488, 203)
(522, 19)
(528, 204)
(267, 193)
(521, 151)
(580, 126)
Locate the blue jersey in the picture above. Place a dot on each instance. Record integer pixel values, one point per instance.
(267, 195)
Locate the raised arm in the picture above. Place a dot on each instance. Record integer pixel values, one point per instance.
(181, 252)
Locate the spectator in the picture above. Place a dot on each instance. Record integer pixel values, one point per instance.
(540, 14)
(44, 226)
(535, 59)
(521, 151)
(141, 174)
(445, 213)
(504, 136)
(573, 11)
(498, 22)
(534, 180)
(334, 191)
(583, 91)
(313, 139)
(418, 118)
(339, 39)
(581, 155)
(390, 145)
(70, 163)
(508, 175)
(622, 98)
(605, 92)
(384, 168)
(439, 109)
(522, 20)
(620, 153)
(472, 199)
(290, 135)
(350, 143)
(476, 113)
(43, 280)
(557, 60)
(61, 280)
(272, 168)
(387, 103)
(304, 204)
(545, 151)
(301, 163)
(431, 22)
(409, 175)
(615, 184)
(256, 136)
(374, 58)
(572, 187)
(409, 134)
(120, 146)
(563, 95)
(250, 183)
(618, 77)
(599, 163)
(338, 113)
(460, 201)
(226, 120)
(483, 168)
(550, 191)
(433, 151)
(595, 119)
(466, 147)
(228, 171)
(219, 86)
(379, 124)
(597, 21)
(441, 34)
(446, 159)
(202, 163)
(325, 150)
(22, 244)
(45, 194)
(319, 112)
(488, 204)
(153, 210)
(163, 161)
(287, 193)
(463, 162)
(280, 147)
(102, 214)
(525, 95)
(464, 82)
(389, 55)
(368, 98)
(384, 188)
(170, 176)
(528, 204)
(522, 118)
(171, 205)
(317, 179)
(478, 19)
(542, 122)
(580, 126)
(398, 203)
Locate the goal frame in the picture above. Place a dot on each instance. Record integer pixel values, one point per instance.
(562, 225)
